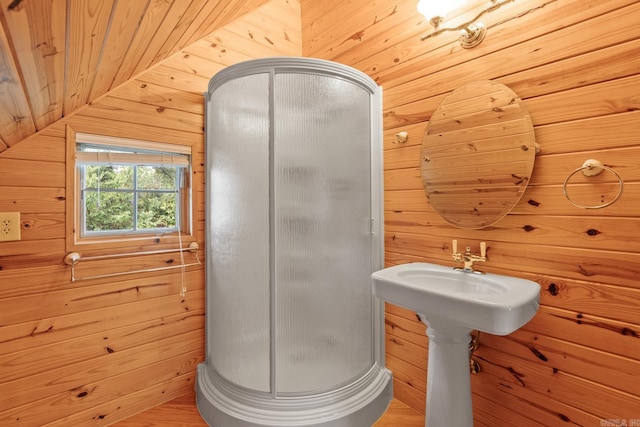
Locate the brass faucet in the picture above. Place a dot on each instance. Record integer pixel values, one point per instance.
(468, 258)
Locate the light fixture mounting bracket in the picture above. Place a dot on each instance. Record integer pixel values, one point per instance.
(471, 32)
(472, 35)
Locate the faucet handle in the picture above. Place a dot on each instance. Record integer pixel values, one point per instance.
(454, 245)
(483, 249)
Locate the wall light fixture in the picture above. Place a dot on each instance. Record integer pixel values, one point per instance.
(471, 32)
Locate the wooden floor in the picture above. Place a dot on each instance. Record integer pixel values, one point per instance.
(182, 412)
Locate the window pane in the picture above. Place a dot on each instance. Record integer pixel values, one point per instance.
(156, 178)
(156, 210)
(111, 176)
(131, 189)
(107, 211)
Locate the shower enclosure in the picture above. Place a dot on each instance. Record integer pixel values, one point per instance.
(294, 231)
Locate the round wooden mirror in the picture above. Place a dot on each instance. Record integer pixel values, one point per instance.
(477, 154)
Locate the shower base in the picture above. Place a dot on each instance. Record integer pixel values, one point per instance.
(360, 403)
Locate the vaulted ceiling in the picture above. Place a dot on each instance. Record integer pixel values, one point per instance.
(58, 55)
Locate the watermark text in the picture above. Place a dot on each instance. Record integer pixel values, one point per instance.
(620, 422)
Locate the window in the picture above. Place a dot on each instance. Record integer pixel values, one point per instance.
(129, 188)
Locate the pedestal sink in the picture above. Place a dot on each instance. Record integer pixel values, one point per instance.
(452, 304)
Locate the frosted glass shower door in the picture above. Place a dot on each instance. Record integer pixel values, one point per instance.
(294, 335)
(323, 255)
(238, 293)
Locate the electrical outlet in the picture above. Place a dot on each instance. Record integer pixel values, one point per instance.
(9, 226)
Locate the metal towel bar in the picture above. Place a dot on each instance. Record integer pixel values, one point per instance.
(73, 258)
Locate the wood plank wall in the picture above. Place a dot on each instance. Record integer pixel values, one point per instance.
(576, 65)
(94, 352)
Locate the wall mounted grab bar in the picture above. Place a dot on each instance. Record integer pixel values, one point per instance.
(73, 258)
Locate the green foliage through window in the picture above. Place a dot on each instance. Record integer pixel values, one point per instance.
(129, 197)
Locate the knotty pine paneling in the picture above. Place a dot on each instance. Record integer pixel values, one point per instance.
(125, 18)
(41, 51)
(87, 32)
(97, 351)
(32, 173)
(575, 66)
(59, 55)
(19, 124)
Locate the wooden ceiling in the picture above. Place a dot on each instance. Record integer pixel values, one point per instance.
(58, 55)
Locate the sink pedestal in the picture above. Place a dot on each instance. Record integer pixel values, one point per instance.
(455, 303)
(448, 377)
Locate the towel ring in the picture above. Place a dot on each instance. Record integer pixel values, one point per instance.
(593, 167)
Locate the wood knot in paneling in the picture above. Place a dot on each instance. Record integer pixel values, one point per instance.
(14, 5)
(538, 354)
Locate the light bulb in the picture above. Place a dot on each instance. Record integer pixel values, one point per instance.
(438, 8)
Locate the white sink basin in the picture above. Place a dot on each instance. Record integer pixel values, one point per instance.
(485, 302)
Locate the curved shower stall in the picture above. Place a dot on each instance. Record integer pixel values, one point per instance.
(294, 231)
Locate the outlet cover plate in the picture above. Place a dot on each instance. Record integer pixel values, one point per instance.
(9, 226)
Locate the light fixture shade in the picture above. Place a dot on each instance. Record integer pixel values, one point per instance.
(438, 8)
